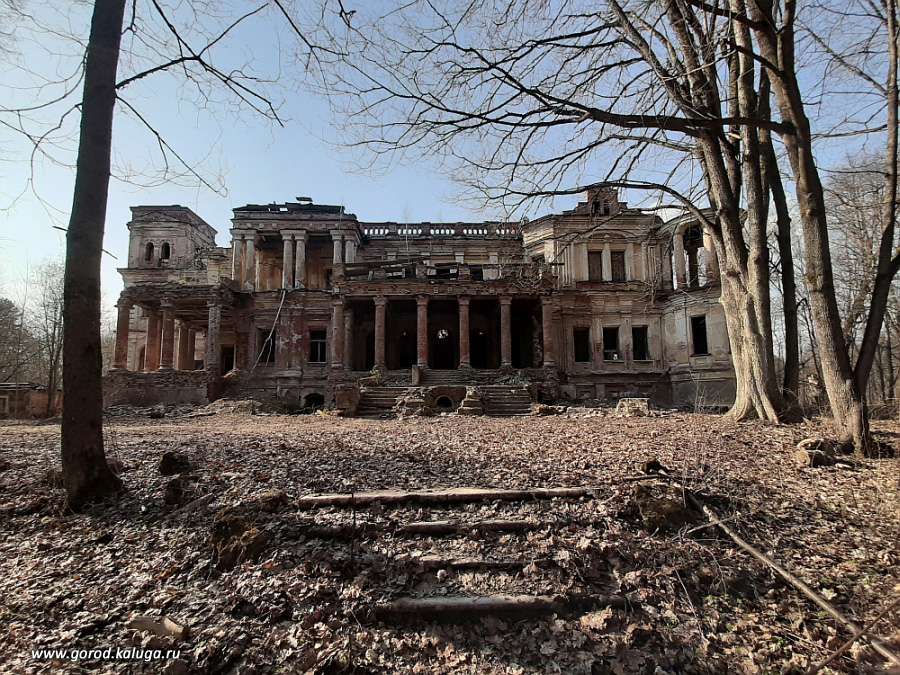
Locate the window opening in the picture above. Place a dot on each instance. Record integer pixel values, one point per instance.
(640, 344)
(317, 344)
(266, 346)
(698, 335)
(611, 344)
(595, 265)
(618, 265)
(581, 337)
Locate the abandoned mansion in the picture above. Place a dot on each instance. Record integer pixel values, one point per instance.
(312, 307)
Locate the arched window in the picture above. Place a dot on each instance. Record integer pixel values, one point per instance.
(148, 252)
(165, 251)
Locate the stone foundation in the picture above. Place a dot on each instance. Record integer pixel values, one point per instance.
(167, 387)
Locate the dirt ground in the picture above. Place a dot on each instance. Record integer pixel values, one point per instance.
(638, 584)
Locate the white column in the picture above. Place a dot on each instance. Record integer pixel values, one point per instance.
(300, 260)
(712, 262)
(350, 250)
(645, 264)
(607, 262)
(338, 249)
(629, 261)
(249, 261)
(287, 260)
(237, 256)
(678, 252)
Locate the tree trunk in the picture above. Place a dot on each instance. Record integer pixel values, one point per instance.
(791, 386)
(85, 472)
(847, 402)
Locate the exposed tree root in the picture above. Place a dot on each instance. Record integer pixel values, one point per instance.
(877, 644)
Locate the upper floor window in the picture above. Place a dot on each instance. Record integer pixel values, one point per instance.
(148, 252)
(618, 265)
(165, 251)
(595, 265)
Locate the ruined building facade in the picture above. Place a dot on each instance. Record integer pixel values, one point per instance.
(600, 302)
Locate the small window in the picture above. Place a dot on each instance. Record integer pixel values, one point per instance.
(148, 252)
(477, 273)
(618, 265)
(640, 347)
(698, 336)
(582, 340)
(611, 344)
(165, 251)
(317, 345)
(595, 265)
(606, 207)
(328, 275)
(266, 346)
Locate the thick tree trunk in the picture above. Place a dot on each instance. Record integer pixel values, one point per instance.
(85, 472)
(888, 264)
(791, 385)
(757, 394)
(847, 402)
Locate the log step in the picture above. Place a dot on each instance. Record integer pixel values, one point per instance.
(422, 529)
(449, 496)
(463, 608)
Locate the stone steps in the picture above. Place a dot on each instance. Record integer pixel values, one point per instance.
(500, 401)
(432, 378)
(374, 401)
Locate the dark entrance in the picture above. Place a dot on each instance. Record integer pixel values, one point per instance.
(522, 338)
(478, 348)
(400, 334)
(370, 351)
(442, 350)
(227, 358)
(406, 350)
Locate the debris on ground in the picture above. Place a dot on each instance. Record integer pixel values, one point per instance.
(559, 543)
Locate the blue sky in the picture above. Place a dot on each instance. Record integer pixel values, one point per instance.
(259, 162)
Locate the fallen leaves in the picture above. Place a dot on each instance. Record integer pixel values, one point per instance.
(298, 601)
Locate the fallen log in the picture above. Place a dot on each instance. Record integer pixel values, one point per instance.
(427, 528)
(451, 608)
(459, 495)
(431, 563)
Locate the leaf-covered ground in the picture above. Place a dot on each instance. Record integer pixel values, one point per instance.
(695, 603)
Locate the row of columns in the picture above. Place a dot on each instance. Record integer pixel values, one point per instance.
(160, 352)
(680, 255)
(293, 270)
(338, 332)
(161, 347)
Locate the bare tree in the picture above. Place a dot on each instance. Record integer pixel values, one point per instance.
(46, 320)
(529, 99)
(155, 38)
(525, 98)
(19, 352)
(775, 31)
